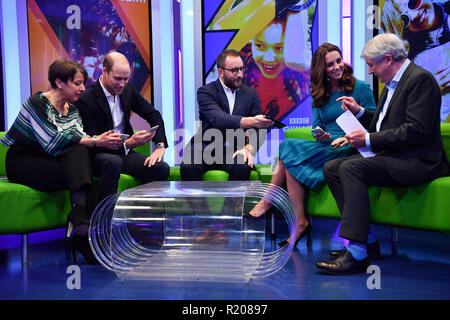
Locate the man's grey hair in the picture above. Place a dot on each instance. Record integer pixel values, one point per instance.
(382, 44)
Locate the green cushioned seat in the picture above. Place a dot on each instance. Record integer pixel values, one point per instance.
(423, 207)
(299, 133)
(320, 202)
(25, 210)
(215, 175)
(264, 172)
(219, 175)
(174, 174)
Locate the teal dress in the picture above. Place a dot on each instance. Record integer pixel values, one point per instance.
(304, 159)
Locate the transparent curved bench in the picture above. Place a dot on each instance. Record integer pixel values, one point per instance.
(190, 231)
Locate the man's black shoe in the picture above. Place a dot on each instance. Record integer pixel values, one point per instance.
(344, 264)
(373, 251)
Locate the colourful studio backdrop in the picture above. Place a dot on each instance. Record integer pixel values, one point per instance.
(276, 40)
(423, 26)
(85, 31)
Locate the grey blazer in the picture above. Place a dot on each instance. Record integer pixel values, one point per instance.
(410, 137)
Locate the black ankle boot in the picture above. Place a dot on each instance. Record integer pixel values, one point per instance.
(76, 221)
(78, 215)
(81, 244)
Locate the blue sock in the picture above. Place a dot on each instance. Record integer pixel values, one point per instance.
(370, 237)
(358, 250)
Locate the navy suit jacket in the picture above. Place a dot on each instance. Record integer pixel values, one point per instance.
(97, 118)
(410, 136)
(214, 110)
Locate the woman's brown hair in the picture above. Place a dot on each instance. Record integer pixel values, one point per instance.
(320, 83)
(64, 70)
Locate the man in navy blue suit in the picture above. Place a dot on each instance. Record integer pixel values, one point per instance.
(107, 105)
(227, 109)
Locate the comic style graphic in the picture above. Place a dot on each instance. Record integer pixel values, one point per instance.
(85, 31)
(275, 41)
(423, 26)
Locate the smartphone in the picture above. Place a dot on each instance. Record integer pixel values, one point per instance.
(318, 130)
(278, 124)
(124, 136)
(153, 128)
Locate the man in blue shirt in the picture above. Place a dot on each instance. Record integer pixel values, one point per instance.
(403, 132)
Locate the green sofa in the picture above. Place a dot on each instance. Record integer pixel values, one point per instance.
(26, 210)
(422, 207)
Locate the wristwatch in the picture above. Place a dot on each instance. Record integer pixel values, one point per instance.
(159, 145)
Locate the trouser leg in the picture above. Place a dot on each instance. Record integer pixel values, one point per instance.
(192, 167)
(356, 175)
(236, 167)
(107, 167)
(70, 170)
(133, 164)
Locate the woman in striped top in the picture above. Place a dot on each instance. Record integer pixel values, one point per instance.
(48, 148)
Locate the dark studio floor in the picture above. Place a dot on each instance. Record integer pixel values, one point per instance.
(419, 270)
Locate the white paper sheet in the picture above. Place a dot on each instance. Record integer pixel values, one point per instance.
(348, 122)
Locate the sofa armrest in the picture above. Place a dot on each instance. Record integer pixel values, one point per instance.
(299, 133)
(3, 150)
(445, 133)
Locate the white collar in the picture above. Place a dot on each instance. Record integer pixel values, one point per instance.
(226, 88)
(399, 74)
(107, 93)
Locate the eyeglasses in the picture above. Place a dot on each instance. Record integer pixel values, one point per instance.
(236, 70)
(412, 5)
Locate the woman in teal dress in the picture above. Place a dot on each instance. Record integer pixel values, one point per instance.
(301, 161)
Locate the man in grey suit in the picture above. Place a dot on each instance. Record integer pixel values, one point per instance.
(225, 104)
(403, 132)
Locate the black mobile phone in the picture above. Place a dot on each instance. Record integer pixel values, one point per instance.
(153, 128)
(318, 130)
(278, 124)
(124, 136)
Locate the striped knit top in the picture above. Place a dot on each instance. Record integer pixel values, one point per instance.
(40, 126)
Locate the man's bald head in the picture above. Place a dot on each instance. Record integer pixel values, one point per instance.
(116, 73)
(114, 58)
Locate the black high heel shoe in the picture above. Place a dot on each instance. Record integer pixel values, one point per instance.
(81, 244)
(307, 232)
(76, 217)
(78, 222)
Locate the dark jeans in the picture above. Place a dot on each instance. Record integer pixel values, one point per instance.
(192, 171)
(108, 167)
